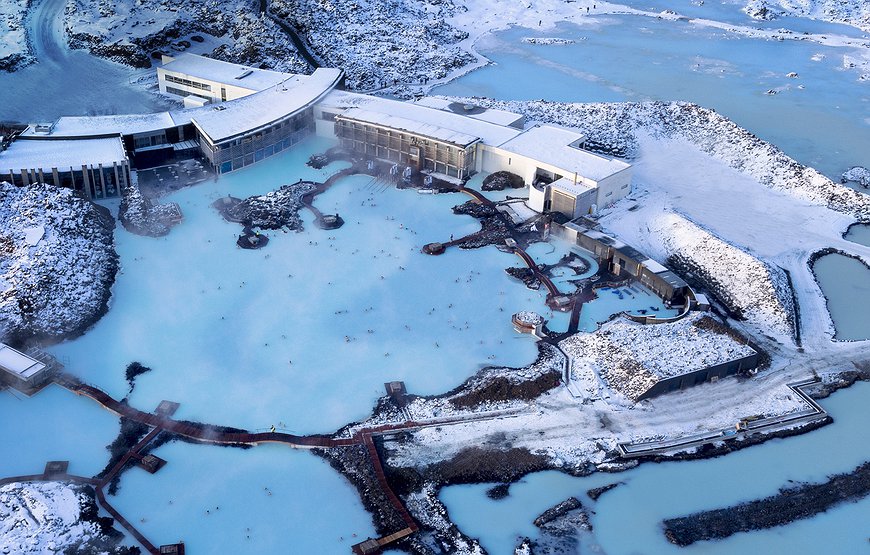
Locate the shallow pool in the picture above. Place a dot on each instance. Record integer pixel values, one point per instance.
(269, 499)
(859, 233)
(845, 281)
(303, 333)
(53, 425)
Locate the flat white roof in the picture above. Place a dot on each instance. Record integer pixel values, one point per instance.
(18, 363)
(380, 110)
(247, 77)
(412, 126)
(654, 266)
(551, 145)
(567, 185)
(28, 154)
(491, 115)
(235, 117)
(84, 126)
(33, 235)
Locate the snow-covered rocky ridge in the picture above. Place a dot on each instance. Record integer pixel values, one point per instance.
(380, 43)
(54, 517)
(59, 286)
(143, 216)
(14, 50)
(617, 128)
(754, 290)
(850, 12)
(857, 174)
(130, 32)
(630, 358)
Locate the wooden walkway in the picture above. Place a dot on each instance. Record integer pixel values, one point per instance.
(530, 262)
(212, 434)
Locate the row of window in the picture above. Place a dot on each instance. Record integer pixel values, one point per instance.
(180, 92)
(188, 83)
(260, 154)
(153, 140)
(108, 186)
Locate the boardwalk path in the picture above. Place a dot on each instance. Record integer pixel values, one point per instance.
(530, 262)
(218, 435)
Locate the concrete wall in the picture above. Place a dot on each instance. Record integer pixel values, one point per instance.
(613, 188)
(700, 376)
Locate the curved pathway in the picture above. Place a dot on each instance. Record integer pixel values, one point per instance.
(295, 38)
(45, 31)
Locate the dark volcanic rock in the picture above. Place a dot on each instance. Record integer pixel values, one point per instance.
(787, 506)
(273, 210)
(595, 493)
(475, 209)
(503, 389)
(526, 275)
(498, 492)
(499, 181)
(557, 511)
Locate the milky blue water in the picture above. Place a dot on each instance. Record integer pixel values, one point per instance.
(825, 124)
(845, 282)
(303, 333)
(219, 500)
(628, 519)
(859, 233)
(53, 425)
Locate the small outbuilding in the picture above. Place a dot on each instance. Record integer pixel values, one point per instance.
(21, 371)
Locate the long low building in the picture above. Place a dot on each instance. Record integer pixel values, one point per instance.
(271, 113)
(641, 361)
(96, 167)
(621, 259)
(456, 141)
(243, 115)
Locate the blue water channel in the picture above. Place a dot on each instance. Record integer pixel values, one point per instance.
(628, 518)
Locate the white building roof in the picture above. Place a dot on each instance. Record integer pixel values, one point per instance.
(33, 235)
(654, 266)
(568, 185)
(18, 363)
(193, 65)
(412, 126)
(28, 154)
(491, 115)
(228, 119)
(381, 110)
(89, 126)
(551, 145)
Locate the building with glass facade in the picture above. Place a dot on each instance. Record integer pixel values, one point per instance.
(99, 168)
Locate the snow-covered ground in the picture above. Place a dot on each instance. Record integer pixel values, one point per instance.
(380, 43)
(47, 517)
(632, 357)
(850, 12)
(131, 32)
(14, 49)
(746, 285)
(59, 285)
(693, 164)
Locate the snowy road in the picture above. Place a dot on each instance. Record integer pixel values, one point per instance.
(45, 30)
